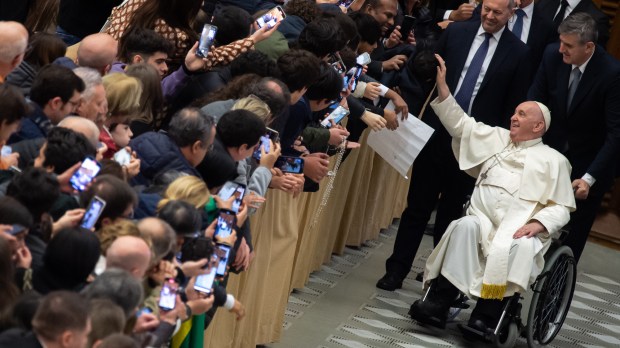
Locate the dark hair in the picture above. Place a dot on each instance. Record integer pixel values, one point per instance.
(55, 81)
(142, 41)
(12, 104)
(368, 29)
(322, 37)
(8, 291)
(12, 212)
(183, 217)
(64, 148)
(304, 9)
(31, 180)
(277, 102)
(238, 127)
(254, 62)
(58, 312)
(348, 29)
(299, 69)
(44, 48)
(178, 14)
(424, 66)
(118, 341)
(71, 256)
(107, 318)
(190, 125)
(198, 248)
(116, 193)
(111, 167)
(328, 86)
(25, 308)
(235, 89)
(233, 23)
(152, 98)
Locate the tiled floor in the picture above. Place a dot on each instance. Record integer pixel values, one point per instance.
(341, 307)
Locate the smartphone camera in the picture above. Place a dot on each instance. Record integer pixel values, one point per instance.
(85, 174)
(206, 40)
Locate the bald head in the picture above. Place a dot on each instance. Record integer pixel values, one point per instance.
(130, 253)
(161, 235)
(97, 51)
(82, 125)
(14, 39)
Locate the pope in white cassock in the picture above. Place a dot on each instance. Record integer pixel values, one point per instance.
(523, 195)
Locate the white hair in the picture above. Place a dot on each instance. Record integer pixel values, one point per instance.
(13, 42)
(91, 78)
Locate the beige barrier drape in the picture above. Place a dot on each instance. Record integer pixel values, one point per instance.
(367, 195)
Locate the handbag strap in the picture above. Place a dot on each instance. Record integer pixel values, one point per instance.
(427, 100)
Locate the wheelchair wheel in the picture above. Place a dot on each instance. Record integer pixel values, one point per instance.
(507, 337)
(553, 293)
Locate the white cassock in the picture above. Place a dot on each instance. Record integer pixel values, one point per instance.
(516, 183)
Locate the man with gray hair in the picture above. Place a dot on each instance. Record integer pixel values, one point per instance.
(14, 38)
(581, 84)
(94, 105)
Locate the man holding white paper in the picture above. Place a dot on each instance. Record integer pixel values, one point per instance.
(523, 194)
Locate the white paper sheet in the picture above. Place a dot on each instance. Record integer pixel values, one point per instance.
(400, 148)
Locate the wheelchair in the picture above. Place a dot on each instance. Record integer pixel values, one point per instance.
(551, 297)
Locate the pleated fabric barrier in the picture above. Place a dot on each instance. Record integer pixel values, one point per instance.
(367, 195)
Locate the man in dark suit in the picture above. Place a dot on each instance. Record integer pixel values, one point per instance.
(487, 64)
(580, 83)
(557, 10)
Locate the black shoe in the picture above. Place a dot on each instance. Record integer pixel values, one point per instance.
(390, 282)
(429, 312)
(475, 330)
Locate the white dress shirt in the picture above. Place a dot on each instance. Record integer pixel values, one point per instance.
(478, 40)
(571, 6)
(527, 22)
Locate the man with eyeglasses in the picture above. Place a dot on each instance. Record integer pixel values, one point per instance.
(55, 94)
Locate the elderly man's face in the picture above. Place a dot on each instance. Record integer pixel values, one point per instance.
(96, 107)
(527, 122)
(495, 14)
(573, 50)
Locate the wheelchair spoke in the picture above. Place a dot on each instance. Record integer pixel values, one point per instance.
(549, 315)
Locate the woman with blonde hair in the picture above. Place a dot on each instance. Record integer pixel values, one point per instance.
(254, 104)
(123, 94)
(190, 189)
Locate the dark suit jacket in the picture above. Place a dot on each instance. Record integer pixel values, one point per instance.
(592, 125)
(439, 7)
(549, 7)
(19, 338)
(504, 85)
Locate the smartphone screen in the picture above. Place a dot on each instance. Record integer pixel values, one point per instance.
(204, 282)
(337, 115)
(263, 144)
(122, 157)
(206, 40)
(223, 251)
(345, 3)
(85, 174)
(168, 296)
(233, 189)
(363, 59)
(288, 164)
(225, 222)
(16, 229)
(270, 18)
(6, 150)
(93, 212)
(356, 77)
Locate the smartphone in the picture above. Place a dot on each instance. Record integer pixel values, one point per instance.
(6, 150)
(345, 3)
(85, 174)
(16, 229)
(225, 221)
(222, 251)
(336, 115)
(122, 157)
(168, 296)
(270, 18)
(206, 40)
(264, 142)
(93, 212)
(233, 189)
(363, 59)
(288, 164)
(204, 282)
(351, 78)
(406, 27)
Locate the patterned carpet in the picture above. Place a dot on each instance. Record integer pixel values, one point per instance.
(378, 318)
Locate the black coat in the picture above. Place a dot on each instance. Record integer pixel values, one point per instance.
(548, 9)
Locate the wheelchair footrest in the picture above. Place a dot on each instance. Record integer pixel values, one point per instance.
(472, 334)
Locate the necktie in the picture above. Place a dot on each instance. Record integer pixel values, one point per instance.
(560, 16)
(463, 97)
(518, 27)
(575, 76)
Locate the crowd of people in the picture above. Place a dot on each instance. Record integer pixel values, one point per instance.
(134, 155)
